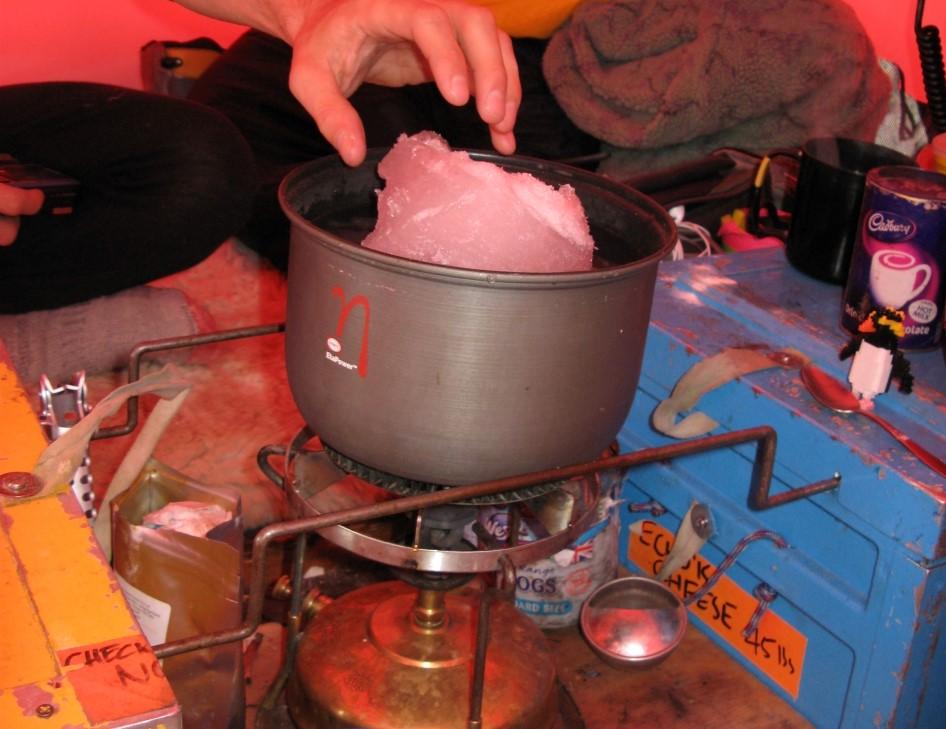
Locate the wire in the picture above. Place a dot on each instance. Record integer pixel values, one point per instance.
(699, 239)
(931, 63)
(693, 240)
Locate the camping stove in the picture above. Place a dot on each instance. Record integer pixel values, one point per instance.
(444, 645)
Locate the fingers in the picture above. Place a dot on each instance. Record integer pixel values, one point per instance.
(513, 86)
(318, 91)
(15, 202)
(9, 227)
(504, 142)
(461, 42)
(433, 31)
(33, 202)
(501, 133)
(395, 43)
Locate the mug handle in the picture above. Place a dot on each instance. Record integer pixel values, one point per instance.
(927, 274)
(774, 225)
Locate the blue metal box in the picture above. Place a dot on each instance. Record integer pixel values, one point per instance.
(853, 635)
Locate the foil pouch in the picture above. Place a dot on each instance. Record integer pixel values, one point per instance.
(179, 586)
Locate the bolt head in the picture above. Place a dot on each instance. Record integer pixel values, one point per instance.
(19, 484)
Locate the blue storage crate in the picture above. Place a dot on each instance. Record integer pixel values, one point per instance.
(853, 636)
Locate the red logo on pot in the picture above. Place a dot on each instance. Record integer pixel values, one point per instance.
(335, 343)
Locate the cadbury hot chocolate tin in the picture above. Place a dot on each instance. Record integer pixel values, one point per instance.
(899, 257)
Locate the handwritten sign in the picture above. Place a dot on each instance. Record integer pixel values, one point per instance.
(775, 647)
(118, 679)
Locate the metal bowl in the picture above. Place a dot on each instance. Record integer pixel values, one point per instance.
(633, 622)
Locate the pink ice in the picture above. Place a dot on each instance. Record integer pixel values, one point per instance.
(441, 206)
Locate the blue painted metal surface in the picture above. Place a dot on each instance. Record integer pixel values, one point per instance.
(864, 577)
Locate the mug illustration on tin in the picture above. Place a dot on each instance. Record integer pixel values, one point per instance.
(896, 277)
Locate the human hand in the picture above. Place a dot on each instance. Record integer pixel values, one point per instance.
(15, 202)
(339, 45)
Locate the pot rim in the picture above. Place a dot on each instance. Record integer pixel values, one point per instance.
(516, 163)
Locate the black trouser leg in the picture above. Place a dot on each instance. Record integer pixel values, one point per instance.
(163, 182)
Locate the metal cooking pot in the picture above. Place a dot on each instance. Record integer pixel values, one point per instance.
(449, 375)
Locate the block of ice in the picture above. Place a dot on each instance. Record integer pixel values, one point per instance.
(440, 206)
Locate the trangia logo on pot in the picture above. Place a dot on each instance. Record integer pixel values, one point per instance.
(334, 343)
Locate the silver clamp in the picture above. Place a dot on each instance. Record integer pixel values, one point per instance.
(62, 408)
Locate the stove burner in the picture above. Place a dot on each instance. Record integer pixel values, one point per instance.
(432, 537)
(409, 487)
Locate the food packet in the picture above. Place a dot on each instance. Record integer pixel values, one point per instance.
(180, 585)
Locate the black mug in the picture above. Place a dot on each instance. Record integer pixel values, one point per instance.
(827, 203)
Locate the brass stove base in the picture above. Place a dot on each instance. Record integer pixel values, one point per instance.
(277, 717)
(377, 659)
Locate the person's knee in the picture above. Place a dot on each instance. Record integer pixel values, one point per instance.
(213, 177)
(218, 157)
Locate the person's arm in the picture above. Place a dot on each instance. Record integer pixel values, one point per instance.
(15, 202)
(340, 44)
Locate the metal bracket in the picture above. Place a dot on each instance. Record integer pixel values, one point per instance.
(159, 345)
(759, 496)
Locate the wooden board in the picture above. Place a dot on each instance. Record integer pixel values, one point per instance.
(697, 686)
